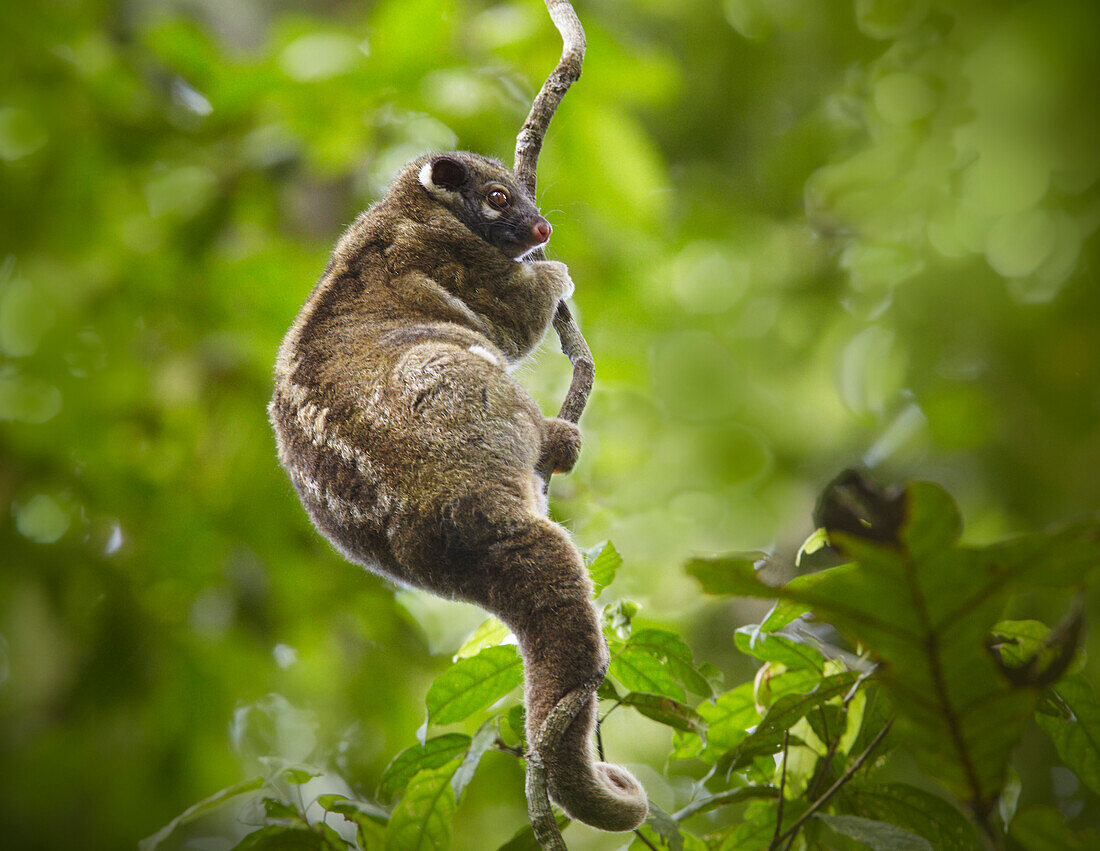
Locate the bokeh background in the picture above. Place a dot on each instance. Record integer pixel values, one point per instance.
(804, 235)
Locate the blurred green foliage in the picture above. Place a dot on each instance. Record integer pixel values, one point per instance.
(803, 235)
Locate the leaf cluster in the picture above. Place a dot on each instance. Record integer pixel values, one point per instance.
(921, 660)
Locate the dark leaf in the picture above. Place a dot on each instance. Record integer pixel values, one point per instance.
(1045, 829)
(854, 504)
(914, 809)
(514, 720)
(924, 607)
(877, 835)
(667, 711)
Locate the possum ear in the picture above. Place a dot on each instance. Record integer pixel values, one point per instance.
(447, 173)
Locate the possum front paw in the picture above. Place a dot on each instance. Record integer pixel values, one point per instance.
(562, 445)
(558, 273)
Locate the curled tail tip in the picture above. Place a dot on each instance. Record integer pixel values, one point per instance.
(617, 803)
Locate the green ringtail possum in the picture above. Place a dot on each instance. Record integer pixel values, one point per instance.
(414, 449)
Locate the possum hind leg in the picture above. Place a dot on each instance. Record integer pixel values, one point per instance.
(472, 529)
(541, 590)
(524, 568)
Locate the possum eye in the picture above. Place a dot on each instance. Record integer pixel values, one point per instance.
(498, 198)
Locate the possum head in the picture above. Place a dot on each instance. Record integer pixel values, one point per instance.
(484, 195)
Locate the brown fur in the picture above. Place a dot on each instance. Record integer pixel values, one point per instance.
(413, 449)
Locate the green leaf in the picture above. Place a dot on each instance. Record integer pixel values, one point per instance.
(667, 711)
(923, 606)
(637, 669)
(827, 721)
(604, 566)
(473, 684)
(1010, 796)
(1077, 739)
(422, 821)
(782, 649)
(656, 661)
(483, 739)
(757, 826)
(617, 619)
(1019, 641)
(299, 776)
(1045, 829)
(289, 839)
(369, 819)
(767, 738)
(777, 682)
(607, 690)
(878, 835)
(781, 614)
(665, 827)
(817, 540)
(731, 575)
(346, 806)
(514, 720)
(203, 807)
(432, 754)
(728, 718)
(491, 633)
(274, 808)
(916, 810)
(1031, 654)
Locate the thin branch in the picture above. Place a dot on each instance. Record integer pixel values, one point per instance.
(499, 745)
(832, 790)
(568, 71)
(782, 789)
(543, 823)
(730, 796)
(528, 146)
(641, 836)
(827, 760)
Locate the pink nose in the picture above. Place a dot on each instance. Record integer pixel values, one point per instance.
(542, 230)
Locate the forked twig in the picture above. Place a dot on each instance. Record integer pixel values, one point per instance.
(567, 72)
(528, 146)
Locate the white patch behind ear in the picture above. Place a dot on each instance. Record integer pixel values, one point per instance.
(426, 177)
